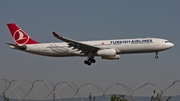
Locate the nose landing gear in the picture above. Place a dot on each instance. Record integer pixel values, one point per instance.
(156, 56)
(89, 61)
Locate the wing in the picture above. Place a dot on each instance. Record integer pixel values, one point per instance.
(77, 45)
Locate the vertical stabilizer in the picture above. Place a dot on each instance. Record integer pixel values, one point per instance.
(19, 36)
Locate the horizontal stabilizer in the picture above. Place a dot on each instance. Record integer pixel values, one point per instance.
(14, 46)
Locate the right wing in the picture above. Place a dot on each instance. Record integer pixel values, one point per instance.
(77, 45)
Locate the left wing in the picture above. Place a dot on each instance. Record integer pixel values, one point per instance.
(77, 45)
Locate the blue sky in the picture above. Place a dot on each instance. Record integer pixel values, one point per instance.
(92, 20)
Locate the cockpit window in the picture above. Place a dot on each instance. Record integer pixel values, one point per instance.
(167, 41)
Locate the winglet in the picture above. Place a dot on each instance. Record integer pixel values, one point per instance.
(55, 34)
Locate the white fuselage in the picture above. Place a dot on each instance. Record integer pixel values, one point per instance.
(122, 46)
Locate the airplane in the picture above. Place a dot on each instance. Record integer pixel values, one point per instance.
(106, 49)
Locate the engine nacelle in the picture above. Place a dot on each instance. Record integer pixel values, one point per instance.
(116, 57)
(106, 52)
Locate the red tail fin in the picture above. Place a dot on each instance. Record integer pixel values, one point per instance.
(19, 36)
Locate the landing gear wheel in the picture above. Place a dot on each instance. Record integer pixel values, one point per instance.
(89, 63)
(86, 62)
(156, 55)
(92, 60)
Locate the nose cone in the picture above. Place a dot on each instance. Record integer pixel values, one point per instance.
(172, 44)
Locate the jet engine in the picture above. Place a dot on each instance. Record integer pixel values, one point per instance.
(106, 52)
(116, 57)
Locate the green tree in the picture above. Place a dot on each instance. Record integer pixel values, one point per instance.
(94, 98)
(5, 98)
(168, 98)
(90, 96)
(158, 97)
(118, 98)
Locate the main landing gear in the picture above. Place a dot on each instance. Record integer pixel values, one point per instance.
(156, 56)
(89, 61)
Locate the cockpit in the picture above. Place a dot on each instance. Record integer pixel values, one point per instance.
(167, 42)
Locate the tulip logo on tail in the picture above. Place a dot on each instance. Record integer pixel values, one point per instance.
(20, 37)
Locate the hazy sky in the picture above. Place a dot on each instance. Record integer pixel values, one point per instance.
(92, 20)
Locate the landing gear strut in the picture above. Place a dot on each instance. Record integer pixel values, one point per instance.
(89, 61)
(156, 56)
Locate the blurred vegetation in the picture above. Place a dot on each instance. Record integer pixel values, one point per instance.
(118, 98)
(155, 97)
(158, 97)
(5, 98)
(90, 97)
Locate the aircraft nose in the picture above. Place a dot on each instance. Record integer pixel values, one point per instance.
(172, 44)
